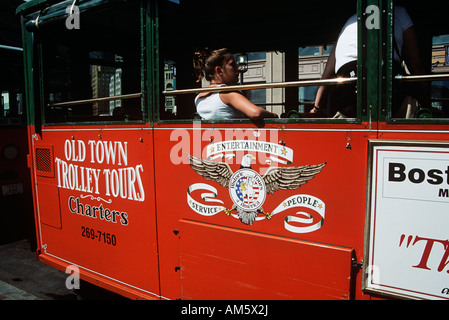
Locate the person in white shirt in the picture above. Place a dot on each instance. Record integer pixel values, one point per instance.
(220, 68)
(342, 62)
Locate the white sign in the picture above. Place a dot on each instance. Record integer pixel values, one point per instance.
(408, 248)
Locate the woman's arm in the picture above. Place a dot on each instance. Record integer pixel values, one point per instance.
(322, 92)
(241, 103)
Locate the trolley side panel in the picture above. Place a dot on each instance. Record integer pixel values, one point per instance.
(328, 209)
(225, 263)
(95, 206)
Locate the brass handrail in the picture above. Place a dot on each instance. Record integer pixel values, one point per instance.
(77, 102)
(303, 83)
(424, 77)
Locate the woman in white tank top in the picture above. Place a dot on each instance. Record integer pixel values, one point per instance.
(211, 107)
(220, 68)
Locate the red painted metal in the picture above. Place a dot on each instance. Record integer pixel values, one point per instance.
(130, 224)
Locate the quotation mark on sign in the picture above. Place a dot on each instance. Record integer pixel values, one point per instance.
(437, 247)
(409, 240)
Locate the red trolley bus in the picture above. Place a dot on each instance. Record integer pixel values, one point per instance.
(149, 200)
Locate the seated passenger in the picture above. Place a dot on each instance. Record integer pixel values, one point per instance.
(342, 62)
(220, 68)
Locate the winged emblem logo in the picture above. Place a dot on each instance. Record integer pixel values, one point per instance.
(247, 188)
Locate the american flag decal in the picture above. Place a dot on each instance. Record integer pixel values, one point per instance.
(247, 190)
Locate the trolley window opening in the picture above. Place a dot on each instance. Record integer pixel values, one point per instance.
(12, 103)
(279, 47)
(12, 107)
(420, 84)
(93, 74)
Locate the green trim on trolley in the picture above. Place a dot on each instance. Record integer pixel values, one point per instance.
(374, 82)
